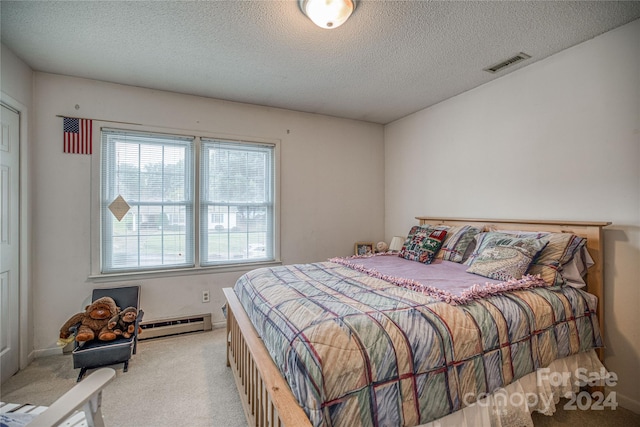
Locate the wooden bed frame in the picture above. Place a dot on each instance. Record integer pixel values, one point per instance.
(265, 394)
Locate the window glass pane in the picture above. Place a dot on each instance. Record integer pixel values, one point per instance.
(236, 202)
(153, 174)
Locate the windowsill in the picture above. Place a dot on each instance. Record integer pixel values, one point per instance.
(111, 277)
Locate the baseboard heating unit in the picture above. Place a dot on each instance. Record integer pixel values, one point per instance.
(176, 325)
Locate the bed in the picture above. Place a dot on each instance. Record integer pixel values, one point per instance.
(352, 342)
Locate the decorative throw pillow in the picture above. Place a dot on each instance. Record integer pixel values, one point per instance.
(506, 259)
(422, 244)
(456, 243)
(492, 238)
(560, 250)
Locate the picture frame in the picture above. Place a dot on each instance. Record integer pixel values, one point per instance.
(364, 248)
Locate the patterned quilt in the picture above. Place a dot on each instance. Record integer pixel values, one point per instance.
(360, 351)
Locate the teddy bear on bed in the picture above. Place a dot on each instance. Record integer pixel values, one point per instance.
(93, 321)
(124, 323)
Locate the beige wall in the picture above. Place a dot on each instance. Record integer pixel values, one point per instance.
(15, 77)
(330, 195)
(16, 86)
(559, 139)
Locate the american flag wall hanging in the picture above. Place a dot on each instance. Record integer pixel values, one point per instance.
(77, 135)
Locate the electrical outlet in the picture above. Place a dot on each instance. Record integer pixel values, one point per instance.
(205, 296)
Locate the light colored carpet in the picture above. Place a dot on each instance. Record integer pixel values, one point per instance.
(620, 417)
(184, 381)
(175, 381)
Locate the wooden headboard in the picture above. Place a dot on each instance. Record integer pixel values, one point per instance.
(591, 230)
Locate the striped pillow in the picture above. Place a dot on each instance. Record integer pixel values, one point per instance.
(561, 249)
(457, 242)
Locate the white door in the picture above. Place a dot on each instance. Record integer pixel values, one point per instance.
(9, 242)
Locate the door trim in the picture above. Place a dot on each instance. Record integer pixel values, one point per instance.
(26, 315)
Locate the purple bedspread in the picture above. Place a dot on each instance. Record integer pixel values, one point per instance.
(445, 280)
(449, 276)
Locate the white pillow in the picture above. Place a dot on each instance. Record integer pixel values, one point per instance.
(575, 270)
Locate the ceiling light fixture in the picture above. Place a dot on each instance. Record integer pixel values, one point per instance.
(327, 13)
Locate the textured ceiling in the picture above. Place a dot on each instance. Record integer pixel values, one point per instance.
(388, 60)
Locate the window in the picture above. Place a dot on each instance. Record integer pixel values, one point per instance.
(227, 213)
(237, 195)
(217, 218)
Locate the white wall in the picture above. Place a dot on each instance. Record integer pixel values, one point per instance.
(16, 86)
(330, 195)
(559, 139)
(15, 76)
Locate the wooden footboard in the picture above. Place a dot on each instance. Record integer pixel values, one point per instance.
(266, 397)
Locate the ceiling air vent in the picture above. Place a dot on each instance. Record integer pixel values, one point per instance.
(507, 63)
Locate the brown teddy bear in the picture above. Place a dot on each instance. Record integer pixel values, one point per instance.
(93, 321)
(124, 323)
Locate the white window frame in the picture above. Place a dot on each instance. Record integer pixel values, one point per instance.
(262, 199)
(95, 208)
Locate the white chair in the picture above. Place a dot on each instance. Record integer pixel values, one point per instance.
(79, 407)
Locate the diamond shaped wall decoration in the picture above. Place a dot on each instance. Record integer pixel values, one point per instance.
(119, 208)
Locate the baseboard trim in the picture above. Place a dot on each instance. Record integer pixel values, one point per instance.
(54, 351)
(626, 402)
(219, 325)
(30, 358)
(44, 352)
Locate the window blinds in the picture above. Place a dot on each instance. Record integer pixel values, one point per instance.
(153, 173)
(237, 202)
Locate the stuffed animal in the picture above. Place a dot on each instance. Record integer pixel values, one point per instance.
(382, 246)
(93, 321)
(124, 323)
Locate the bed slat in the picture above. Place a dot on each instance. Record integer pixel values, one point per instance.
(265, 395)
